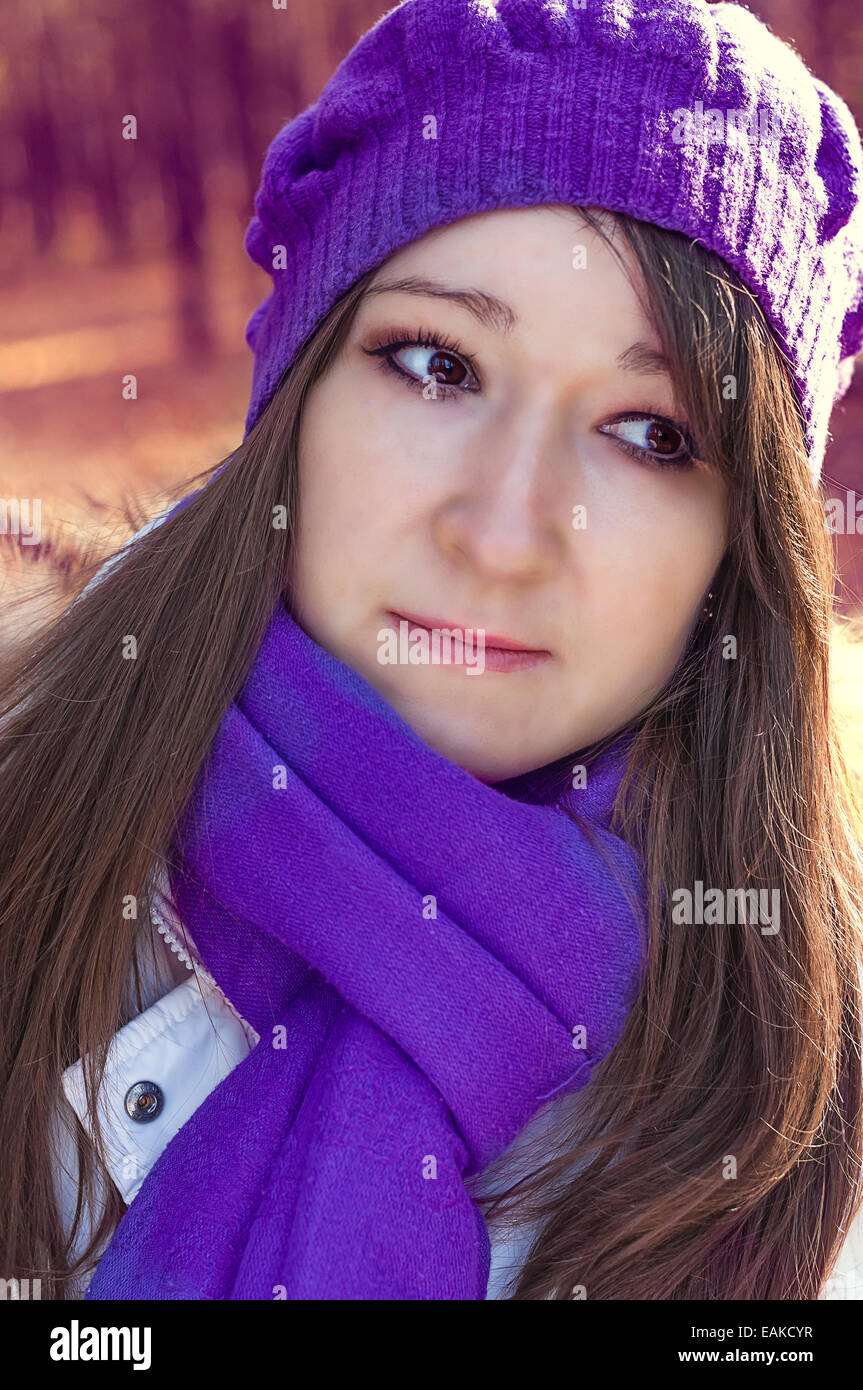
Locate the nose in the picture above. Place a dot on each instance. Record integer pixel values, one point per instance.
(504, 515)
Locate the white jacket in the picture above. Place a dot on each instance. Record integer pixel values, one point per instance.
(187, 1040)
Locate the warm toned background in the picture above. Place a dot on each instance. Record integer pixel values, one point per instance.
(121, 256)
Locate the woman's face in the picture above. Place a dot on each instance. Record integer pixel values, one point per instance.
(511, 478)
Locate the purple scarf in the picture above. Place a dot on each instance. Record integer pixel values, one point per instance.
(417, 950)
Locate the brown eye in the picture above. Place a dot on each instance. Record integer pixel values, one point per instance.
(442, 366)
(425, 358)
(663, 439)
(652, 436)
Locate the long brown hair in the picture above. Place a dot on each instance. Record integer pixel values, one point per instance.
(739, 1043)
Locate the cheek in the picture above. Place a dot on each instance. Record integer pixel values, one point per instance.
(366, 471)
(358, 494)
(648, 582)
(342, 471)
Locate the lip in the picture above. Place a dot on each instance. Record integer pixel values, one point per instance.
(491, 640)
(503, 644)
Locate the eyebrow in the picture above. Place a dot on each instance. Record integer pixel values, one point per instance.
(487, 308)
(493, 313)
(641, 357)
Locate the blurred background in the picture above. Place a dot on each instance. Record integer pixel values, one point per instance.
(126, 255)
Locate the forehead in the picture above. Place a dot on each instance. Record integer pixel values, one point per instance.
(533, 279)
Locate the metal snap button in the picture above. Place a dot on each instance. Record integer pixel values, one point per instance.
(144, 1101)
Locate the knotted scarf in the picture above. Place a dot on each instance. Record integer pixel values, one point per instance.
(426, 957)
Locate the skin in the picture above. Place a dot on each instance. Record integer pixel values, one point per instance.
(461, 507)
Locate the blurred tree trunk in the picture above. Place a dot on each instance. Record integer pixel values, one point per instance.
(44, 179)
(117, 170)
(237, 66)
(349, 23)
(110, 192)
(172, 125)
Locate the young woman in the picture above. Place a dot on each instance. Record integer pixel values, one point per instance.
(334, 970)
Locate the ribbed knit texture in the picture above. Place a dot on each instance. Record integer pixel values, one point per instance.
(403, 1045)
(542, 101)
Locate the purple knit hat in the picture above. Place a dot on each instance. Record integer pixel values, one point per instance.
(692, 116)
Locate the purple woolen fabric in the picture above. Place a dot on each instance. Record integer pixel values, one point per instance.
(400, 1050)
(451, 107)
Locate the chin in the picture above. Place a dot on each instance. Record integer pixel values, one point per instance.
(472, 750)
(485, 742)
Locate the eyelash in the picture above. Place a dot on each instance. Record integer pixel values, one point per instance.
(690, 448)
(402, 338)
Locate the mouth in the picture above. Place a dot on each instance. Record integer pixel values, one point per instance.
(501, 653)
